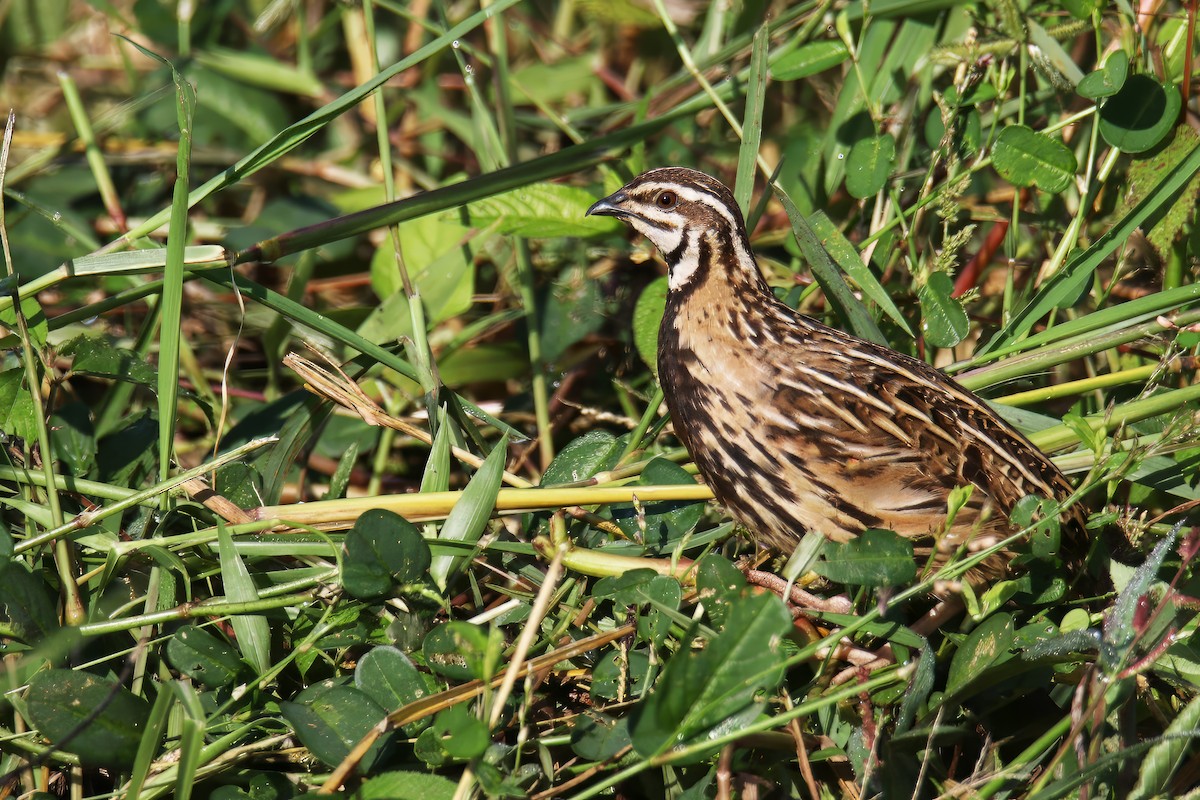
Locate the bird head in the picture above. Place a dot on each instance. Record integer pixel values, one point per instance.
(687, 215)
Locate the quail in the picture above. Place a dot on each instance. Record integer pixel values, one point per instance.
(801, 428)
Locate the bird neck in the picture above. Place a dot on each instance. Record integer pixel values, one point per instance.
(717, 259)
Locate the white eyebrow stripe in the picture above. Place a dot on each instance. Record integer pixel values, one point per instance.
(694, 195)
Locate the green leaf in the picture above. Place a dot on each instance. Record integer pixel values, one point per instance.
(876, 558)
(598, 737)
(722, 686)
(462, 735)
(1166, 755)
(809, 59)
(406, 786)
(619, 677)
(330, 720)
(381, 549)
(16, 405)
(988, 644)
(35, 319)
(542, 210)
(575, 308)
(869, 164)
(1108, 79)
(252, 630)
(1140, 115)
(1045, 539)
(661, 523)
(596, 450)
(95, 718)
(457, 650)
(849, 307)
(260, 69)
(391, 679)
(1083, 9)
(647, 319)
(469, 517)
(1025, 157)
(27, 603)
(848, 258)
(203, 657)
(641, 587)
(943, 319)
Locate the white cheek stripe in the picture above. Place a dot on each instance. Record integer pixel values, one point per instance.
(689, 261)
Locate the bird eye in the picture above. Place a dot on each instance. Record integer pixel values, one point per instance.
(666, 199)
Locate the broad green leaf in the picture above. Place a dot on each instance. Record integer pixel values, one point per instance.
(721, 687)
(988, 644)
(16, 405)
(391, 679)
(406, 786)
(1108, 79)
(582, 458)
(846, 257)
(875, 558)
(330, 720)
(1025, 157)
(809, 59)
(457, 650)
(74, 438)
(597, 737)
(620, 677)
(203, 657)
(60, 700)
(647, 318)
(460, 733)
(27, 604)
(382, 549)
(661, 523)
(574, 308)
(469, 517)
(943, 319)
(1140, 115)
(35, 319)
(869, 164)
(644, 587)
(542, 210)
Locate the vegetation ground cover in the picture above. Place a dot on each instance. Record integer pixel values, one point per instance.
(334, 459)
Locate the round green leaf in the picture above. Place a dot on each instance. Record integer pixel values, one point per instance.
(457, 650)
(876, 558)
(61, 700)
(869, 164)
(382, 547)
(1108, 80)
(203, 657)
(1140, 115)
(598, 736)
(463, 735)
(809, 59)
(391, 679)
(332, 720)
(647, 317)
(943, 319)
(1024, 157)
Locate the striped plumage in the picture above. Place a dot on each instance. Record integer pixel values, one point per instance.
(799, 427)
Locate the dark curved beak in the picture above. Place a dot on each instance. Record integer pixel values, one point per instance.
(610, 206)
